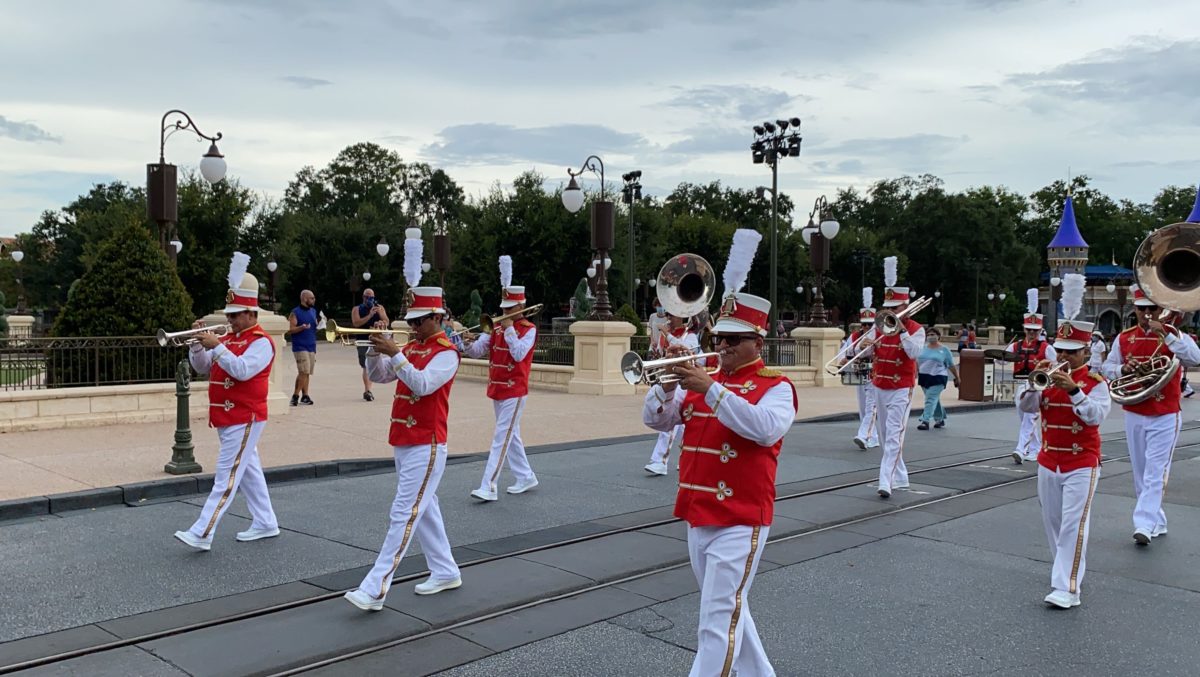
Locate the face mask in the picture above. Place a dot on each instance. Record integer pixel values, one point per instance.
(658, 309)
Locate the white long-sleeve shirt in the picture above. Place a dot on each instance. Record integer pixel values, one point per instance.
(382, 369)
(763, 423)
(1183, 346)
(1091, 408)
(518, 346)
(258, 356)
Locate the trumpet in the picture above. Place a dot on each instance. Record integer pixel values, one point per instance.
(487, 323)
(1039, 379)
(189, 336)
(334, 333)
(638, 371)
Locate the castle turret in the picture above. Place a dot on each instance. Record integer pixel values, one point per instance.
(1067, 252)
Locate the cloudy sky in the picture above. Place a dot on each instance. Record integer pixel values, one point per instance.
(1013, 92)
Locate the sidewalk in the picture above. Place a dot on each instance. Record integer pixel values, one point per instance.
(340, 425)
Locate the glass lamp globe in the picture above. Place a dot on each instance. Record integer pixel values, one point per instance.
(410, 233)
(991, 296)
(366, 277)
(806, 235)
(272, 266)
(1055, 281)
(591, 272)
(830, 228)
(18, 255)
(572, 197)
(425, 267)
(383, 248)
(212, 165)
(1110, 288)
(1003, 295)
(178, 245)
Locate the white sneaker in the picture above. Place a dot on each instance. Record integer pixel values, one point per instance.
(521, 487)
(1062, 599)
(872, 444)
(253, 534)
(861, 443)
(1142, 537)
(901, 486)
(1159, 531)
(656, 468)
(364, 601)
(432, 587)
(485, 496)
(196, 542)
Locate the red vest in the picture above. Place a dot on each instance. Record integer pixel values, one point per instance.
(665, 342)
(232, 402)
(418, 419)
(508, 378)
(1067, 442)
(1141, 344)
(1028, 357)
(726, 479)
(894, 369)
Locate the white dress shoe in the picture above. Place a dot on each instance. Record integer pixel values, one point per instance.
(485, 495)
(196, 542)
(255, 534)
(1062, 599)
(872, 444)
(656, 468)
(522, 487)
(1018, 458)
(900, 486)
(432, 587)
(1158, 531)
(861, 443)
(1142, 537)
(364, 601)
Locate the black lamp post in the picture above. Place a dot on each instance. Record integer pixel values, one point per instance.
(272, 268)
(17, 256)
(162, 189)
(630, 193)
(817, 238)
(941, 318)
(602, 231)
(441, 248)
(771, 142)
(861, 257)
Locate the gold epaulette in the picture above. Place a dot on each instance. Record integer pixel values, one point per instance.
(1129, 329)
(767, 372)
(444, 342)
(1097, 376)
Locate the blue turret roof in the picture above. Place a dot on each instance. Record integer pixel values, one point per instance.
(1068, 233)
(1195, 215)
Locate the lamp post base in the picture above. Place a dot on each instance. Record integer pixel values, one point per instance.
(183, 459)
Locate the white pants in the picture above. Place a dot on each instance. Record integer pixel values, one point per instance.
(724, 560)
(1066, 500)
(506, 443)
(415, 512)
(662, 448)
(1029, 439)
(892, 408)
(866, 415)
(1151, 442)
(238, 467)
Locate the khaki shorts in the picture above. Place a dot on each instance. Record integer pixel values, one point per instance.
(305, 361)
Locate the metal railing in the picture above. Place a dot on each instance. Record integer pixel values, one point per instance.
(781, 352)
(41, 362)
(554, 349)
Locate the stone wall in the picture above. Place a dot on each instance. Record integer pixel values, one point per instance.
(95, 405)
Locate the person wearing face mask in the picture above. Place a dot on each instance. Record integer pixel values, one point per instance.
(367, 314)
(1031, 351)
(302, 327)
(935, 365)
(734, 422)
(658, 325)
(676, 333)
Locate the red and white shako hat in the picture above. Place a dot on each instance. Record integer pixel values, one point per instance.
(1139, 296)
(425, 300)
(509, 295)
(892, 295)
(243, 287)
(867, 312)
(742, 313)
(1033, 319)
(1073, 334)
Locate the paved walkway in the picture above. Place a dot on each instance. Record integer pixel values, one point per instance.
(340, 425)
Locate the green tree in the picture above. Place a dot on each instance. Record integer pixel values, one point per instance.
(626, 313)
(3, 315)
(583, 302)
(471, 317)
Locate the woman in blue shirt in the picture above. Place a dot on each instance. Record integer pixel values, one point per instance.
(934, 365)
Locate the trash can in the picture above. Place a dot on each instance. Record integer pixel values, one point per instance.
(977, 375)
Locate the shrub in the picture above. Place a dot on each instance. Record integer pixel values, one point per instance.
(628, 314)
(583, 301)
(471, 317)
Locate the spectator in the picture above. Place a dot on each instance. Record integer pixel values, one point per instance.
(1099, 352)
(971, 342)
(658, 324)
(964, 337)
(934, 364)
(366, 315)
(302, 328)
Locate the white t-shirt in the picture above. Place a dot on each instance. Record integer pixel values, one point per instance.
(1097, 359)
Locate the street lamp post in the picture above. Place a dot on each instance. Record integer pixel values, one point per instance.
(602, 231)
(441, 249)
(18, 256)
(771, 142)
(162, 189)
(272, 267)
(818, 238)
(940, 317)
(631, 193)
(1051, 327)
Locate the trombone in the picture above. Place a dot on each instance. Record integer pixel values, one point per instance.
(487, 323)
(649, 372)
(334, 333)
(887, 323)
(189, 336)
(1039, 379)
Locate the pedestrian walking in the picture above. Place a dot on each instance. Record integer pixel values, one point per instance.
(302, 327)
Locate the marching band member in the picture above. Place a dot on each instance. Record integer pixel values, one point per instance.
(1031, 351)
(424, 372)
(1072, 408)
(1152, 426)
(894, 376)
(676, 333)
(734, 423)
(238, 365)
(866, 437)
(510, 359)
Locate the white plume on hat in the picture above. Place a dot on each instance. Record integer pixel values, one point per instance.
(414, 248)
(1031, 300)
(889, 271)
(867, 297)
(505, 271)
(741, 256)
(1072, 294)
(237, 269)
